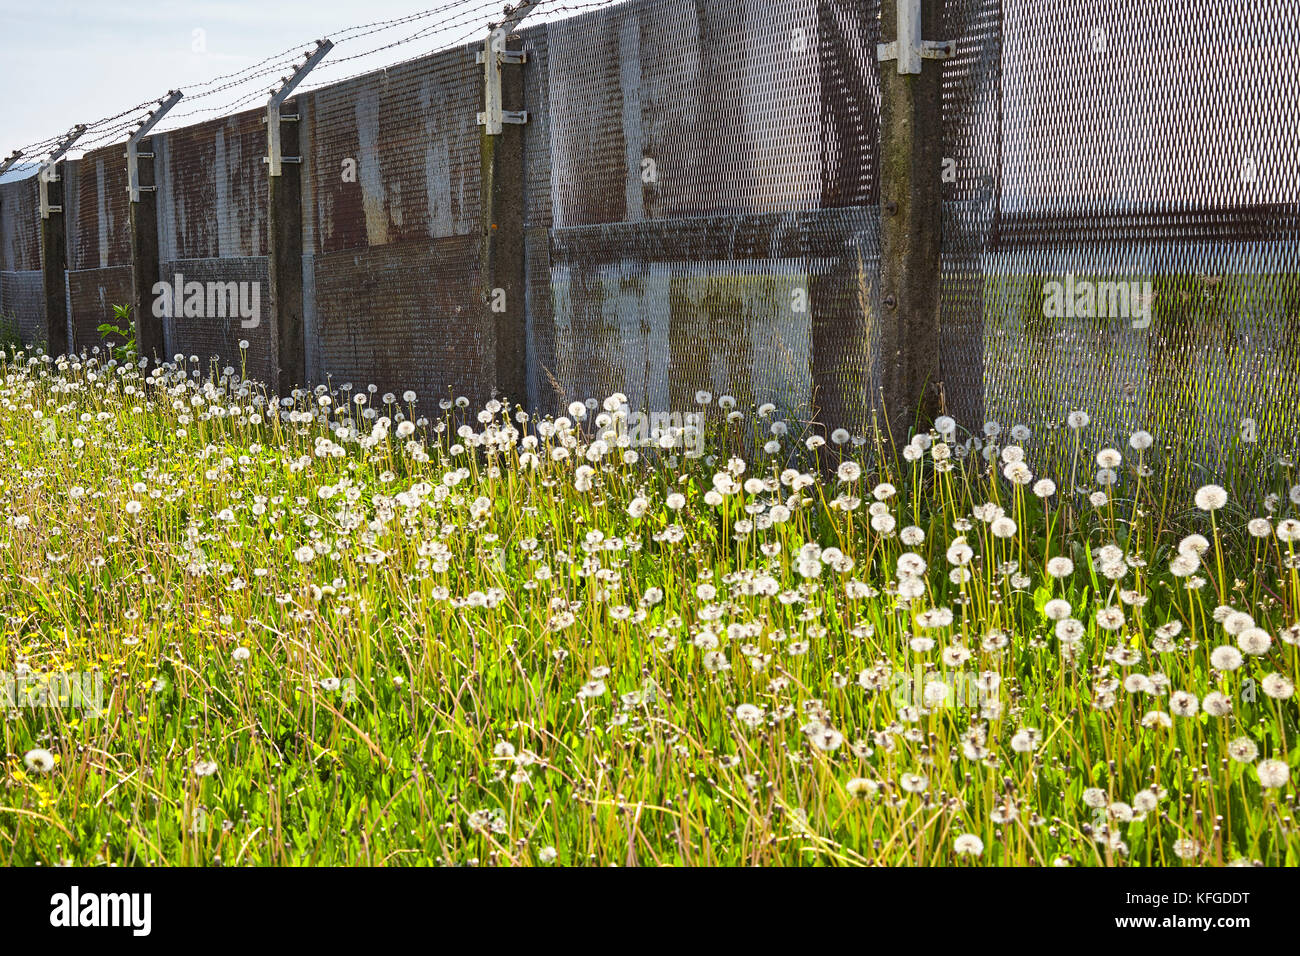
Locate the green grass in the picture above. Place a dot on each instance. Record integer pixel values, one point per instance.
(322, 646)
(10, 338)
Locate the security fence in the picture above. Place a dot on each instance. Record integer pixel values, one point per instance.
(698, 190)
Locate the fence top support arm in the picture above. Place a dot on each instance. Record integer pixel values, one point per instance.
(494, 54)
(171, 99)
(909, 49)
(56, 154)
(47, 173)
(133, 186)
(516, 14)
(9, 161)
(291, 83)
(275, 157)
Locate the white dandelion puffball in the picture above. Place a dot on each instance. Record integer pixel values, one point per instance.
(1277, 686)
(1060, 567)
(1259, 528)
(913, 782)
(1243, 750)
(1095, 797)
(1273, 774)
(39, 760)
(968, 844)
(1056, 609)
(1254, 641)
(1225, 658)
(1211, 498)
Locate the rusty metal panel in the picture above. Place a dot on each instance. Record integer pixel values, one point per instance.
(92, 293)
(213, 191)
(405, 316)
(20, 226)
(711, 172)
(22, 295)
(97, 211)
(395, 155)
(212, 224)
(1150, 145)
(214, 340)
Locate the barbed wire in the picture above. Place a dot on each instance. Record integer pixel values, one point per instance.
(463, 11)
(462, 40)
(471, 14)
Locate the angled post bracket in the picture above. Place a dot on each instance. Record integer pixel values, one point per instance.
(909, 49)
(275, 153)
(9, 161)
(133, 153)
(49, 169)
(493, 56)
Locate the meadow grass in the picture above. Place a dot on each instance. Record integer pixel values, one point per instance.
(349, 629)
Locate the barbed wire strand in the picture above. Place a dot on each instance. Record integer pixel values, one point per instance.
(462, 13)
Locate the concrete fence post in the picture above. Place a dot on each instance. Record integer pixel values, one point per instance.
(284, 265)
(911, 146)
(54, 245)
(284, 227)
(145, 264)
(54, 259)
(502, 248)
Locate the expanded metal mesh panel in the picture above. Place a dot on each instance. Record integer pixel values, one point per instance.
(213, 189)
(22, 294)
(92, 293)
(395, 155)
(20, 226)
(405, 316)
(711, 170)
(537, 131)
(22, 302)
(213, 196)
(972, 116)
(97, 210)
(1153, 144)
(214, 337)
(392, 206)
(96, 213)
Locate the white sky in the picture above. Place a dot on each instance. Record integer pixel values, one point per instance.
(64, 62)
